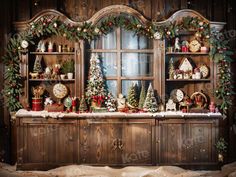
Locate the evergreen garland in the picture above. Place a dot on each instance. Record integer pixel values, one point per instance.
(45, 27)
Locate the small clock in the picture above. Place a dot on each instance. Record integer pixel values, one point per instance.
(194, 46)
(24, 44)
(60, 90)
(177, 95)
(204, 70)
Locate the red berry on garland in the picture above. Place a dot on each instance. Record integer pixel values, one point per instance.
(110, 23)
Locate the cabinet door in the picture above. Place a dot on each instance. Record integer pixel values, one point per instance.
(202, 138)
(99, 141)
(171, 135)
(43, 142)
(138, 141)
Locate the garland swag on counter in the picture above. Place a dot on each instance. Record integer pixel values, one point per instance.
(87, 31)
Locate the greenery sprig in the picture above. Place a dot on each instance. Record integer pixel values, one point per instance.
(87, 31)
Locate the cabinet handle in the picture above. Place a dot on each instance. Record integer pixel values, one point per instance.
(114, 144)
(120, 144)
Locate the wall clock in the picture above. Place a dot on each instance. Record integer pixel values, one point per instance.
(194, 46)
(204, 70)
(177, 95)
(60, 91)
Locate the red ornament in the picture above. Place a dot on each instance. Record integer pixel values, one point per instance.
(110, 23)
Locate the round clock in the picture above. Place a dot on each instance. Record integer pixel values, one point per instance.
(194, 46)
(204, 70)
(60, 90)
(24, 44)
(177, 95)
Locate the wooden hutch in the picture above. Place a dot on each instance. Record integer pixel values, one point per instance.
(46, 140)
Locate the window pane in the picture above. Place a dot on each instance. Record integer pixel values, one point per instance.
(112, 87)
(126, 84)
(137, 64)
(108, 64)
(130, 40)
(105, 42)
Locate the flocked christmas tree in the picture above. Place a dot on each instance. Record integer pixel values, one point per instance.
(150, 104)
(142, 97)
(83, 105)
(111, 103)
(95, 91)
(37, 64)
(132, 96)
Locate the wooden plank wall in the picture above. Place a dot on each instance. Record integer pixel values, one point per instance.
(156, 10)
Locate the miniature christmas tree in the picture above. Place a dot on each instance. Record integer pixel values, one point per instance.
(150, 104)
(111, 103)
(95, 91)
(37, 65)
(132, 96)
(171, 69)
(83, 105)
(142, 97)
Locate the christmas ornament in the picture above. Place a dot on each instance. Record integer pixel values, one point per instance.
(157, 35)
(24, 44)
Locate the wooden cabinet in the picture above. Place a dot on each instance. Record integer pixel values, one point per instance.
(117, 141)
(46, 143)
(187, 141)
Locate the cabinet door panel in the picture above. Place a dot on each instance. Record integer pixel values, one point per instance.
(137, 141)
(49, 142)
(203, 142)
(98, 141)
(172, 142)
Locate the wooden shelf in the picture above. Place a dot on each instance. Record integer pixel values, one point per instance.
(52, 53)
(188, 80)
(187, 53)
(122, 50)
(56, 80)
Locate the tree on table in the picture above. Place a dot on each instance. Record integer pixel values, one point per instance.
(150, 104)
(111, 103)
(132, 96)
(142, 97)
(95, 91)
(83, 105)
(37, 65)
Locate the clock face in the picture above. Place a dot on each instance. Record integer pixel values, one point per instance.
(24, 44)
(60, 90)
(177, 95)
(194, 46)
(204, 70)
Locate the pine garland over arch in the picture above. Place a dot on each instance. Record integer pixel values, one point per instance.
(220, 51)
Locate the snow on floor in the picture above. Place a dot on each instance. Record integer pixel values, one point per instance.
(89, 171)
